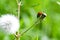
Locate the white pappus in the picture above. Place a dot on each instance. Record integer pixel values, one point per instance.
(9, 23)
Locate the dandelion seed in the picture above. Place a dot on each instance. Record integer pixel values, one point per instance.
(9, 23)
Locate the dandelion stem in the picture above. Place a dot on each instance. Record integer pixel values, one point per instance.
(19, 9)
(17, 36)
(19, 4)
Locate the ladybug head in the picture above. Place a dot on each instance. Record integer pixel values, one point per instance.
(39, 14)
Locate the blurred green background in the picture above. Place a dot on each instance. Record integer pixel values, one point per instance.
(29, 9)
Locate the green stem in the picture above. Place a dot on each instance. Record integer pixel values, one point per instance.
(17, 39)
(17, 36)
(37, 38)
(31, 26)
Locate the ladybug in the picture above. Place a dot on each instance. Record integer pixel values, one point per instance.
(41, 15)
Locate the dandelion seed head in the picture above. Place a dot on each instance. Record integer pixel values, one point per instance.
(9, 23)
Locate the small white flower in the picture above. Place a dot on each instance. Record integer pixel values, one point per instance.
(9, 23)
